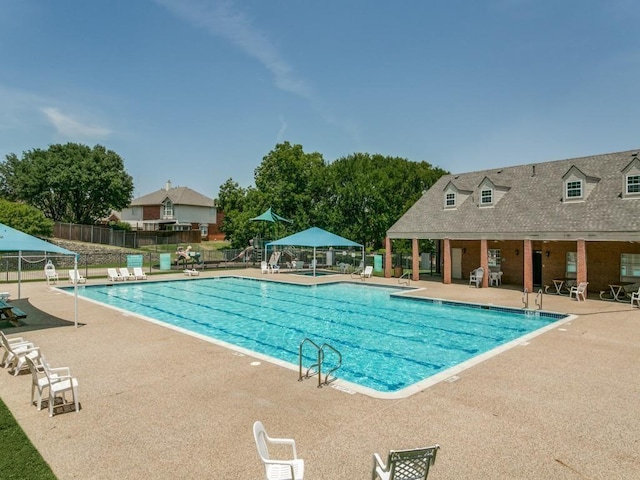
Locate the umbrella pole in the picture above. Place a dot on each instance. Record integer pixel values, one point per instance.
(19, 271)
(75, 291)
(314, 261)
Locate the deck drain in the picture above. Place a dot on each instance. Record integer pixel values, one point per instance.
(343, 389)
(562, 329)
(455, 378)
(238, 354)
(255, 364)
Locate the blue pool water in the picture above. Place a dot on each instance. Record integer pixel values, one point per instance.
(387, 342)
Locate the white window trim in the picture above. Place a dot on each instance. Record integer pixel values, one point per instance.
(446, 199)
(627, 184)
(491, 195)
(566, 189)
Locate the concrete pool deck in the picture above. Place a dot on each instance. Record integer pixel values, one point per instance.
(156, 403)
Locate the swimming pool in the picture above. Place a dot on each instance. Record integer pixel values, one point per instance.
(389, 344)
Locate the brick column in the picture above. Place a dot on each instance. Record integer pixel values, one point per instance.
(415, 264)
(581, 275)
(527, 252)
(484, 262)
(387, 257)
(446, 262)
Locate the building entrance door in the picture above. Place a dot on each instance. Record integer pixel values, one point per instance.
(537, 268)
(456, 263)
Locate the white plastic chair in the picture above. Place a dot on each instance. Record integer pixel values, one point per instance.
(264, 266)
(15, 353)
(13, 342)
(277, 469)
(124, 273)
(405, 464)
(60, 383)
(579, 291)
(475, 278)
(50, 272)
(73, 279)
(139, 274)
(635, 298)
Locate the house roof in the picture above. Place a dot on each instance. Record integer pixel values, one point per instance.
(178, 195)
(533, 206)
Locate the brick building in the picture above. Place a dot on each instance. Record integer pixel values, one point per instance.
(575, 219)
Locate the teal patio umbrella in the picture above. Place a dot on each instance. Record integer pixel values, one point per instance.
(12, 240)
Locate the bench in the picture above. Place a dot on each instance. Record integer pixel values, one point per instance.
(13, 314)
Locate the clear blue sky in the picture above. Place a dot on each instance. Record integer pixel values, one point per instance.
(197, 91)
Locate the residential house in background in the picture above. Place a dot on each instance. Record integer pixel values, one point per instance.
(175, 209)
(576, 219)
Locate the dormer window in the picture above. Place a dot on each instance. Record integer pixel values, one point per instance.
(486, 197)
(633, 184)
(574, 189)
(450, 200)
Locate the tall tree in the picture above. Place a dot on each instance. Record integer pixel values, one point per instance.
(288, 180)
(70, 183)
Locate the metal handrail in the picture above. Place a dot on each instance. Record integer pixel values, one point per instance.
(539, 296)
(406, 276)
(317, 366)
(326, 378)
(525, 298)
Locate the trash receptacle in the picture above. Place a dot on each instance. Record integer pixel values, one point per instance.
(165, 261)
(397, 271)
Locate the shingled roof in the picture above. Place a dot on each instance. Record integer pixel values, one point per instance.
(178, 195)
(532, 205)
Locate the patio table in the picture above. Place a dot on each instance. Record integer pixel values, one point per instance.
(618, 293)
(566, 283)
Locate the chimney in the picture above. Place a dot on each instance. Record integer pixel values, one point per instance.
(533, 174)
(167, 186)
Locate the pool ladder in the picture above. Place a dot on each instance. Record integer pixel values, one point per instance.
(538, 299)
(316, 368)
(405, 278)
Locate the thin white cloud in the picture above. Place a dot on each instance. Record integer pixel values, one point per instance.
(219, 18)
(70, 127)
(283, 129)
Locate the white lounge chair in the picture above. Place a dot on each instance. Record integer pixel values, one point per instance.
(292, 469)
(124, 273)
(366, 273)
(475, 277)
(73, 279)
(139, 274)
(405, 464)
(50, 272)
(113, 275)
(13, 342)
(15, 353)
(579, 291)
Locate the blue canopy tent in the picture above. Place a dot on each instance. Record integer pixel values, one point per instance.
(316, 237)
(12, 240)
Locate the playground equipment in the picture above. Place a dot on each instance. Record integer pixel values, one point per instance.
(187, 256)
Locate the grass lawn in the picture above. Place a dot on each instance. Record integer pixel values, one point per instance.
(19, 459)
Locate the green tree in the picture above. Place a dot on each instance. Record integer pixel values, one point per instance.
(69, 183)
(25, 218)
(366, 194)
(288, 179)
